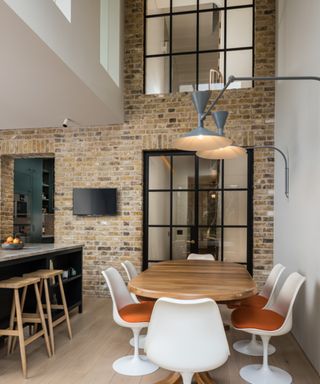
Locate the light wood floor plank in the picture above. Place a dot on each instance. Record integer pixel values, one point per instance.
(98, 341)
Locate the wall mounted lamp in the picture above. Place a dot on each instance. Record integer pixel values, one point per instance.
(214, 145)
(233, 151)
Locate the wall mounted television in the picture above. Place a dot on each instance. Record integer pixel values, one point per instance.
(94, 201)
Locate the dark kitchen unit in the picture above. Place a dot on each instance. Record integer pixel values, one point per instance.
(34, 199)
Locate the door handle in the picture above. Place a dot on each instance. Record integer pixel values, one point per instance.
(191, 241)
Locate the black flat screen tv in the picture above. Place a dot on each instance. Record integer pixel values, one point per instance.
(94, 201)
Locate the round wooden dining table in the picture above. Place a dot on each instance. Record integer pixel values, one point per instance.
(194, 279)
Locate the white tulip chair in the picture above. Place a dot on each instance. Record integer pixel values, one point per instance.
(131, 274)
(126, 313)
(254, 347)
(272, 320)
(198, 256)
(130, 269)
(187, 336)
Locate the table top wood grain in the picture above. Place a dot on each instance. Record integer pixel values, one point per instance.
(194, 279)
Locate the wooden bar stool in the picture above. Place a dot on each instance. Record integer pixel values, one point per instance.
(18, 318)
(45, 276)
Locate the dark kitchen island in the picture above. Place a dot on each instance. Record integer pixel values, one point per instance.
(42, 256)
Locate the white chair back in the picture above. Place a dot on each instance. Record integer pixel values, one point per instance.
(187, 335)
(118, 290)
(270, 286)
(283, 303)
(198, 256)
(130, 269)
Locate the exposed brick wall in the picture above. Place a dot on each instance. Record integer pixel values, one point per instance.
(112, 156)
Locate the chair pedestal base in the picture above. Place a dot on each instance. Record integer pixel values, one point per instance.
(256, 374)
(252, 347)
(134, 366)
(142, 340)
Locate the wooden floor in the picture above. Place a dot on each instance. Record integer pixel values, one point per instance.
(98, 341)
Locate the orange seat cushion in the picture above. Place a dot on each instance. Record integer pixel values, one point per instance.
(263, 319)
(137, 313)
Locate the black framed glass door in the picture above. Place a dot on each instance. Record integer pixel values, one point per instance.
(194, 205)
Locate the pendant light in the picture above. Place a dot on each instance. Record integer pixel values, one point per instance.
(200, 138)
(229, 152)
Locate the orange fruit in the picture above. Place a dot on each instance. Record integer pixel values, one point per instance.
(9, 239)
(16, 241)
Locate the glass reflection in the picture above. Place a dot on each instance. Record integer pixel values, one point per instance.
(159, 208)
(209, 208)
(210, 241)
(235, 245)
(180, 243)
(159, 244)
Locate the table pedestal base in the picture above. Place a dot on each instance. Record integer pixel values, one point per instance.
(199, 378)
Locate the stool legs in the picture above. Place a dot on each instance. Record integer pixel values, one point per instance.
(20, 333)
(43, 320)
(49, 313)
(65, 307)
(11, 324)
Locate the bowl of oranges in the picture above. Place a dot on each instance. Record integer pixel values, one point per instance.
(13, 243)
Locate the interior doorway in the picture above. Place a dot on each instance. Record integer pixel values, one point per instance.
(34, 199)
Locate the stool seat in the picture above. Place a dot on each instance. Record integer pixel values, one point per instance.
(45, 273)
(18, 282)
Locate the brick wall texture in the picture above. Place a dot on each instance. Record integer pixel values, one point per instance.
(112, 156)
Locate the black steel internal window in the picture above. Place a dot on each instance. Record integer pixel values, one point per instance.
(184, 39)
(194, 205)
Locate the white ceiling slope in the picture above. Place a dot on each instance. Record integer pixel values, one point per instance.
(37, 88)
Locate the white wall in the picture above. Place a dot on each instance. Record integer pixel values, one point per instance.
(77, 43)
(297, 220)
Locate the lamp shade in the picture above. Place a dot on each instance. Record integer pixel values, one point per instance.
(201, 139)
(227, 152)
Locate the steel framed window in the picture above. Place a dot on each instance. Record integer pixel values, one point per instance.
(197, 52)
(221, 188)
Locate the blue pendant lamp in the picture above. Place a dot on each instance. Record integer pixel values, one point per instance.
(200, 138)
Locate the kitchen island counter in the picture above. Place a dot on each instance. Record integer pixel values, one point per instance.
(31, 250)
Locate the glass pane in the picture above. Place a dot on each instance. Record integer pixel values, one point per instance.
(210, 30)
(210, 241)
(157, 35)
(159, 172)
(206, 4)
(183, 172)
(159, 208)
(184, 5)
(235, 245)
(209, 61)
(235, 208)
(157, 75)
(183, 73)
(236, 172)
(239, 63)
(209, 208)
(159, 244)
(234, 3)
(209, 174)
(239, 27)
(156, 7)
(184, 33)
(183, 208)
(180, 243)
